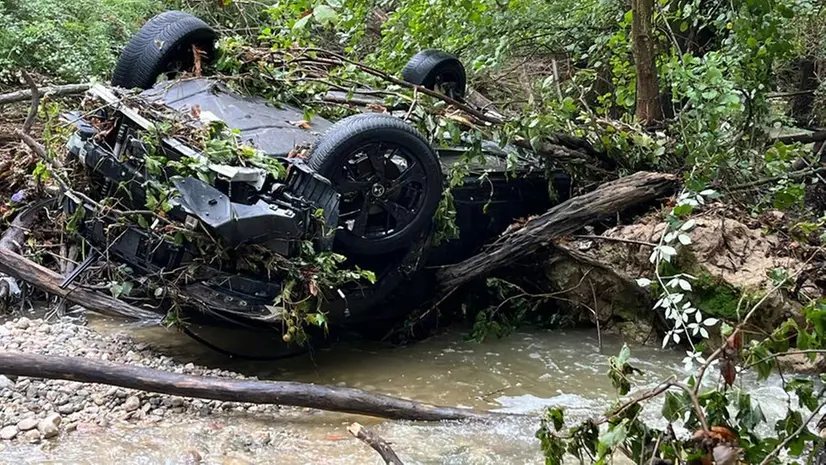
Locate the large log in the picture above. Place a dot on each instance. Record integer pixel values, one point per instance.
(338, 399)
(564, 219)
(47, 280)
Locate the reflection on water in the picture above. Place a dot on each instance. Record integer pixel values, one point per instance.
(522, 373)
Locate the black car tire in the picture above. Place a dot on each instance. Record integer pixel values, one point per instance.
(430, 68)
(163, 40)
(343, 142)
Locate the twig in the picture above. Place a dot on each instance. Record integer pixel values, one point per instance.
(376, 442)
(783, 354)
(666, 385)
(412, 105)
(793, 175)
(381, 74)
(596, 314)
(35, 94)
(789, 439)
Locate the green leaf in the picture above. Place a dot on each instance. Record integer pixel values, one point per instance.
(556, 416)
(301, 23)
(325, 14)
(674, 406)
(612, 438)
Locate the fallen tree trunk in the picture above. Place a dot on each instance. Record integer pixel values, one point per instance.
(15, 265)
(564, 219)
(47, 280)
(338, 399)
(23, 95)
(376, 442)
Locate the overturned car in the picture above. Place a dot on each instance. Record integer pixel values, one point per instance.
(366, 187)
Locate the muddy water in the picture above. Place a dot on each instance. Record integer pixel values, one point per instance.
(521, 373)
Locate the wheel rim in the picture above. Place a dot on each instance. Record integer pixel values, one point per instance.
(382, 187)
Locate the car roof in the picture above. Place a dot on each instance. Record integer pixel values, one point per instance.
(275, 130)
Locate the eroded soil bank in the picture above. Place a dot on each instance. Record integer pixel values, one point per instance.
(521, 373)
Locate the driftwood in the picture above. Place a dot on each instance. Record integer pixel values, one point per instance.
(567, 217)
(376, 442)
(23, 95)
(337, 399)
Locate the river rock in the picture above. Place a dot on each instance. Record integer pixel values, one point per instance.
(6, 383)
(132, 403)
(9, 432)
(66, 409)
(54, 419)
(27, 424)
(190, 457)
(23, 323)
(48, 427)
(31, 436)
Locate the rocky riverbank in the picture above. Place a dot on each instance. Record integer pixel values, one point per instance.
(35, 410)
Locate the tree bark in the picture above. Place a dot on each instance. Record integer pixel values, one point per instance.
(376, 442)
(564, 219)
(648, 87)
(330, 398)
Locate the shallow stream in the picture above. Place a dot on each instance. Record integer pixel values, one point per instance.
(521, 373)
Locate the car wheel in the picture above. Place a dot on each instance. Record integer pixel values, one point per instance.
(437, 70)
(389, 179)
(162, 46)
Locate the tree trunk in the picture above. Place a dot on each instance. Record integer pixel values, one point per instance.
(337, 399)
(806, 81)
(567, 217)
(648, 87)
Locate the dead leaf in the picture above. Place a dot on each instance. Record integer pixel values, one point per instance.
(313, 288)
(196, 111)
(197, 54)
(298, 152)
(377, 108)
(725, 455)
(728, 371)
(303, 124)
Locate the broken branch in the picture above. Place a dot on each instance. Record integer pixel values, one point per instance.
(376, 442)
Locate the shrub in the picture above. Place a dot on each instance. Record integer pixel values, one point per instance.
(70, 41)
